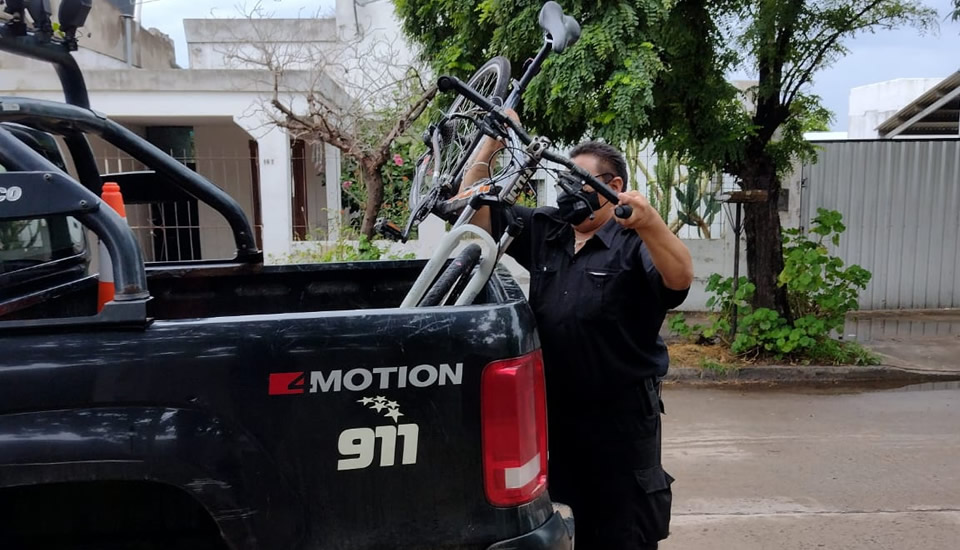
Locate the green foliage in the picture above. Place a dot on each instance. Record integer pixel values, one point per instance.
(818, 284)
(350, 246)
(397, 176)
(784, 45)
(658, 70)
(721, 369)
(821, 292)
(695, 190)
(678, 325)
(666, 176)
(602, 86)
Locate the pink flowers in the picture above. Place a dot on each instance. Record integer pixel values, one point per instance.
(346, 184)
(398, 160)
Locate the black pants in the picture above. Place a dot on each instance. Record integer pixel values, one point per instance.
(606, 466)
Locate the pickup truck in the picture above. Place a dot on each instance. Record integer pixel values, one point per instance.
(232, 404)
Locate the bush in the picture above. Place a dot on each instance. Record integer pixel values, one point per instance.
(820, 292)
(397, 179)
(349, 247)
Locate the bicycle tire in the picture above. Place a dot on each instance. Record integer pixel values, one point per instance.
(464, 132)
(461, 266)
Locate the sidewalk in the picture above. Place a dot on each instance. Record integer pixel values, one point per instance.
(904, 361)
(940, 354)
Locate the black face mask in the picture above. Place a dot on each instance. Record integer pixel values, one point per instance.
(577, 207)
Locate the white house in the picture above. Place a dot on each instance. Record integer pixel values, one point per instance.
(211, 117)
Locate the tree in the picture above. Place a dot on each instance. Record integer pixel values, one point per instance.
(658, 70)
(601, 86)
(355, 94)
(699, 113)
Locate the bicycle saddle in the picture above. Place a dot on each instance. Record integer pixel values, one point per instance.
(563, 29)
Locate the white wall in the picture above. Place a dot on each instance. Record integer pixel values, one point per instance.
(873, 104)
(223, 157)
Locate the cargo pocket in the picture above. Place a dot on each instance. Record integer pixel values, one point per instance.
(653, 504)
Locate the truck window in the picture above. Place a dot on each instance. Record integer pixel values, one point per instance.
(26, 243)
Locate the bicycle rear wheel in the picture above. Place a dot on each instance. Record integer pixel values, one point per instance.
(461, 267)
(459, 137)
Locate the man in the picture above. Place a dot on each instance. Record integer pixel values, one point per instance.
(600, 287)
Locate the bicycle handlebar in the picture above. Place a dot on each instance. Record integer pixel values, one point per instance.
(451, 83)
(622, 211)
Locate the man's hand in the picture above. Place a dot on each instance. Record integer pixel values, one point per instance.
(644, 216)
(670, 256)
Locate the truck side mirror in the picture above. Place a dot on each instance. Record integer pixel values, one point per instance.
(40, 13)
(73, 14)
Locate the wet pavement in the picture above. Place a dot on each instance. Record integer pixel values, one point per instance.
(811, 469)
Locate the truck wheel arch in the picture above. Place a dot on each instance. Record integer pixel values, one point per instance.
(222, 469)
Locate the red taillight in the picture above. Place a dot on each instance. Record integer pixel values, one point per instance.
(514, 418)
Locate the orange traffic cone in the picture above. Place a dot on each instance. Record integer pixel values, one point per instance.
(111, 195)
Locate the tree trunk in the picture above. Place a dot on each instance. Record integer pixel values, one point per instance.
(373, 182)
(764, 244)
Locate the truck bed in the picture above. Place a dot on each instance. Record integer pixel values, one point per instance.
(255, 392)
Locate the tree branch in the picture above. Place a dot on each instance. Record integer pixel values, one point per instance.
(828, 43)
(405, 120)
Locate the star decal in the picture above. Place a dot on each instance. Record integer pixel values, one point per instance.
(380, 404)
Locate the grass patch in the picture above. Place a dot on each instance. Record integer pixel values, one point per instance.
(721, 369)
(718, 357)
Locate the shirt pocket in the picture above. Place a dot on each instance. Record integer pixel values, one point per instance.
(542, 279)
(605, 294)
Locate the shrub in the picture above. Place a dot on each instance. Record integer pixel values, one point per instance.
(349, 247)
(820, 290)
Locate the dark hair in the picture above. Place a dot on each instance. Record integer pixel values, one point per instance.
(611, 158)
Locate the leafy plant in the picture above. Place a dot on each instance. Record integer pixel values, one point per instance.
(817, 283)
(397, 176)
(678, 325)
(821, 290)
(695, 190)
(350, 246)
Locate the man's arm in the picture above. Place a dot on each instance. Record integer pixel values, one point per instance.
(668, 253)
(486, 155)
(482, 167)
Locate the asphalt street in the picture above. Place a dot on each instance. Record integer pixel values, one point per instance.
(791, 470)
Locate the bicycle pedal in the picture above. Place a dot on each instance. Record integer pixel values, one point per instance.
(388, 229)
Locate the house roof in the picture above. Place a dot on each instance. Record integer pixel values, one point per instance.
(935, 113)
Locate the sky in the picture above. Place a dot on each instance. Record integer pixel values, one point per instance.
(873, 57)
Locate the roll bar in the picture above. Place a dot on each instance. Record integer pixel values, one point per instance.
(59, 118)
(44, 190)
(75, 118)
(42, 48)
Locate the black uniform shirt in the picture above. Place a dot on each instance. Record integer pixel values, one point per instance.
(598, 312)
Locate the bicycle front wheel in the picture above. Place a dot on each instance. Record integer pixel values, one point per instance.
(457, 138)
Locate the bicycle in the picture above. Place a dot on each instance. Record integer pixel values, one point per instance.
(450, 158)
